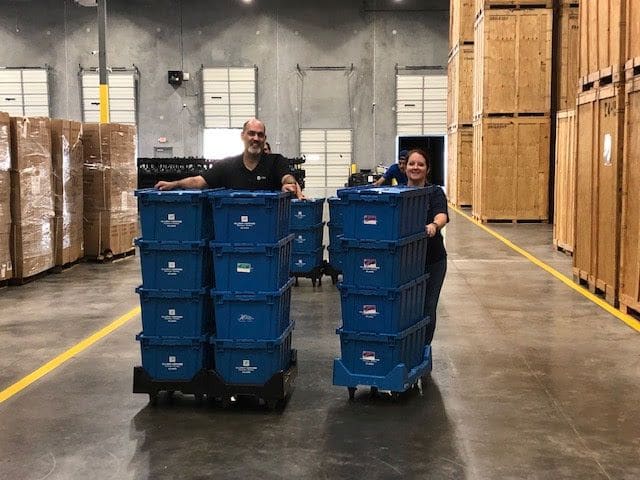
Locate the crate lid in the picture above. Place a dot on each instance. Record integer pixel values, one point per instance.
(227, 295)
(381, 337)
(249, 344)
(381, 244)
(171, 341)
(155, 293)
(224, 192)
(249, 247)
(346, 289)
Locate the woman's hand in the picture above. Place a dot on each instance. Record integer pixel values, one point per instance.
(431, 229)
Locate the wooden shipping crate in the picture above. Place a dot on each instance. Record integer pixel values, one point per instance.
(461, 18)
(6, 267)
(511, 168)
(565, 181)
(481, 5)
(512, 62)
(633, 29)
(460, 78)
(599, 147)
(566, 74)
(602, 39)
(630, 228)
(460, 166)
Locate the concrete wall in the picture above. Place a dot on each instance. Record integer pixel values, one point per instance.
(274, 35)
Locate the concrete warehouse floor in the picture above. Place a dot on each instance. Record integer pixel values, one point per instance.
(530, 380)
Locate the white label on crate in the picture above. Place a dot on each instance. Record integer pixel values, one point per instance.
(369, 358)
(171, 269)
(300, 263)
(606, 150)
(35, 185)
(300, 239)
(243, 268)
(171, 221)
(370, 265)
(171, 316)
(172, 364)
(370, 220)
(245, 318)
(369, 310)
(246, 367)
(244, 223)
(299, 214)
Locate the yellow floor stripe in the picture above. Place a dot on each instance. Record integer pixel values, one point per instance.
(628, 319)
(63, 357)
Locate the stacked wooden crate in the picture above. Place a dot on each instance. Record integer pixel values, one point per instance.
(512, 107)
(599, 151)
(566, 51)
(630, 228)
(460, 107)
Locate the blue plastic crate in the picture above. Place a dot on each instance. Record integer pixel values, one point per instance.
(336, 211)
(175, 215)
(175, 265)
(334, 232)
(306, 213)
(383, 310)
(306, 262)
(383, 264)
(377, 354)
(252, 267)
(385, 213)
(175, 313)
(336, 257)
(307, 240)
(258, 315)
(399, 379)
(171, 359)
(252, 362)
(241, 216)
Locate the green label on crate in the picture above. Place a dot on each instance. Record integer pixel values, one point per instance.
(243, 268)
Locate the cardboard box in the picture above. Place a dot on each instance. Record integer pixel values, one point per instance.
(68, 166)
(31, 196)
(110, 178)
(6, 269)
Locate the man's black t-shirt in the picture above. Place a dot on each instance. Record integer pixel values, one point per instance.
(231, 173)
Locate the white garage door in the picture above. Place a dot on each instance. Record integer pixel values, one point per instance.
(24, 92)
(122, 97)
(229, 96)
(328, 160)
(421, 105)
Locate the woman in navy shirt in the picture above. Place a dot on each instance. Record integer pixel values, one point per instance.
(437, 217)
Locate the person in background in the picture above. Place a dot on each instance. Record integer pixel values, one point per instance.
(437, 217)
(251, 170)
(395, 174)
(267, 148)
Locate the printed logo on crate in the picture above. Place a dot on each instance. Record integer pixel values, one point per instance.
(300, 239)
(245, 318)
(172, 364)
(369, 358)
(370, 265)
(299, 215)
(370, 220)
(369, 311)
(244, 223)
(171, 316)
(246, 367)
(300, 263)
(171, 221)
(244, 268)
(171, 269)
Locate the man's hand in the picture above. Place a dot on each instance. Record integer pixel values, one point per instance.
(293, 188)
(162, 185)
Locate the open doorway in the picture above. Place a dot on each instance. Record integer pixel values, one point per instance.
(435, 146)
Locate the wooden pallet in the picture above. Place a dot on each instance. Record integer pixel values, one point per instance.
(110, 258)
(61, 268)
(595, 286)
(561, 247)
(632, 68)
(602, 78)
(509, 220)
(633, 310)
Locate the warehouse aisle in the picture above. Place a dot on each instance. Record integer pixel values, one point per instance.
(530, 380)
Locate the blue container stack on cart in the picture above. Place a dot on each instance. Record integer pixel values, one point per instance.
(383, 256)
(307, 228)
(336, 222)
(252, 295)
(177, 318)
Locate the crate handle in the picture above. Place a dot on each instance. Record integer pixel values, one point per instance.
(242, 201)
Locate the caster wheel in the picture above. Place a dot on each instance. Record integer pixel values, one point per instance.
(153, 399)
(352, 393)
(296, 284)
(319, 282)
(313, 282)
(199, 398)
(373, 392)
(395, 397)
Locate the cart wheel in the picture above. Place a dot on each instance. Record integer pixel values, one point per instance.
(199, 398)
(334, 279)
(352, 393)
(320, 281)
(395, 397)
(296, 284)
(313, 282)
(153, 399)
(374, 391)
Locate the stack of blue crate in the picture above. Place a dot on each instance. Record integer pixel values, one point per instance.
(176, 275)
(383, 289)
(336, 222)
(307, 228)
(252, 294)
